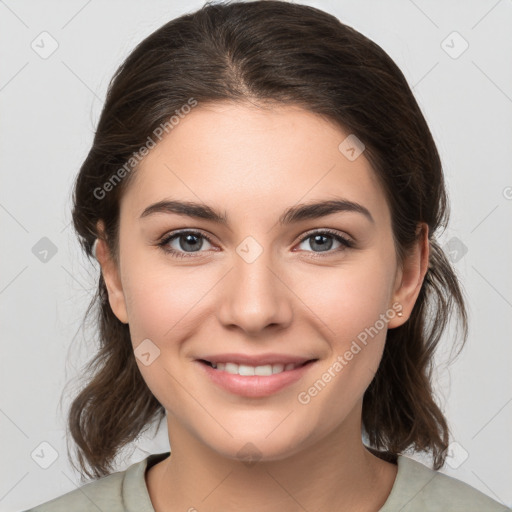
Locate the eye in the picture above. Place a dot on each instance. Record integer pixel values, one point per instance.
(186, 241)
(323, 240)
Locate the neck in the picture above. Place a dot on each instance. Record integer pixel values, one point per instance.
(338, 473)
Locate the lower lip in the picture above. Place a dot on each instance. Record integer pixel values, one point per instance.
(254, 386)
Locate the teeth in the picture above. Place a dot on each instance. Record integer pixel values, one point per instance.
(246, 370)
(277, 368)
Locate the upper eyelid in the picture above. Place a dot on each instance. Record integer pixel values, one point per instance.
(329, 231)
(175, 234)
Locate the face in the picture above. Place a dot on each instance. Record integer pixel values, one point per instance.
(320, 289)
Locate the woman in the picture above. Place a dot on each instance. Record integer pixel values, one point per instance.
(263, 195)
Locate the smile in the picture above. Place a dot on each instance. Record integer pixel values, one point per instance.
(248, 370)
(254, 381)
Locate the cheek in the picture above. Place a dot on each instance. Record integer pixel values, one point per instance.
(162, 300)
(353, 307)
(165, 304)
(348, 298)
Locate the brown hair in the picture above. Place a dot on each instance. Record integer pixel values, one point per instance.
(270, 52)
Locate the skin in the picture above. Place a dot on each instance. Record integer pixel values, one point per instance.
(252, 164)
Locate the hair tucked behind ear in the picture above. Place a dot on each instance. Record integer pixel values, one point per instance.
(270, 52)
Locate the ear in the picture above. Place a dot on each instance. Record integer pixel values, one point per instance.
(410, 276)
(111, 276)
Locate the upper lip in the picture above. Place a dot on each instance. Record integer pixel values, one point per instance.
(256, 360)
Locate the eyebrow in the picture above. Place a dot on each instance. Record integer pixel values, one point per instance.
(292, 215)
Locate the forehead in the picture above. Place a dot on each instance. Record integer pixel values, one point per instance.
(250, 159)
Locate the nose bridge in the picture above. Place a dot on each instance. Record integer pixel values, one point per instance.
(254, 296)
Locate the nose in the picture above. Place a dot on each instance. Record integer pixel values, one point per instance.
(255, 297)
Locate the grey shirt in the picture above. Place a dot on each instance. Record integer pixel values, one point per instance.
(416, 489)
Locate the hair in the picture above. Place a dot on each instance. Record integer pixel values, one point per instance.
(270, 53)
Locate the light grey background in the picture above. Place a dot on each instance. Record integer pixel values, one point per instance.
(49, 108)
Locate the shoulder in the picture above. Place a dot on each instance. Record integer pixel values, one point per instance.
(420, 489)
(102, 494)
(112, 493)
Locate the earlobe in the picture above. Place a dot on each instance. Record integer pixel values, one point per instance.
(112, 280)
(410, 277)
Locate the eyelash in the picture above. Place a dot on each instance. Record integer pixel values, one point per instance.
(345, 242)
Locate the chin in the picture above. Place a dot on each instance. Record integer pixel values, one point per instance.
(258, 446)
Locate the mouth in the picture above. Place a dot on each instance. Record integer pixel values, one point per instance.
(247, 370)
(263, 378)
